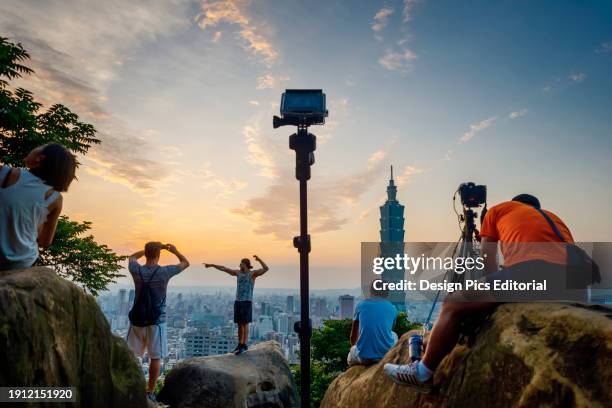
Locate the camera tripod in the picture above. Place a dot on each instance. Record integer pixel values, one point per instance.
(469, 242)
(468, 246)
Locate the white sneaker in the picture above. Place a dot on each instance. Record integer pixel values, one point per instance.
(151, 396)
(407, 375)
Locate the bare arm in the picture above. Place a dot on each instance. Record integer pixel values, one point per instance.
(183, 262)
(222, 269)
(264, 267)
(138, 254)
(354, 332)
(47, 231)
(488, 249)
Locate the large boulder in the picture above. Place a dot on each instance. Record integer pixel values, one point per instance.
(525, 355)
(53, 334)
(256, 379)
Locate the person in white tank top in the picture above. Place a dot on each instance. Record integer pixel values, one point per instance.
(31, 203)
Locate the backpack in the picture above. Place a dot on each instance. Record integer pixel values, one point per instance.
(582, 270)
(144, 313)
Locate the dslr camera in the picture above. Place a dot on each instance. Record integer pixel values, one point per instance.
(472, 195)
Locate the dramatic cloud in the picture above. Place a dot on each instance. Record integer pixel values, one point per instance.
(577, 77)
(476, 128)
(119, 160)
(398, 57)
(517, 114)
(269, 81)
(409, 171)
(260, 153)
(398, 60)
(407, 10)
(376, 158)
(276, 211)
(226, 187)
(69, 70)
(233, 12)
(381, 18)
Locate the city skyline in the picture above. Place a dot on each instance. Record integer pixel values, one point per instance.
(512, 95)
(201, 324)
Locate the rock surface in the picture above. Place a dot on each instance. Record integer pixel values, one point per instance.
(53, 334)
(255, 379)
(526, 355)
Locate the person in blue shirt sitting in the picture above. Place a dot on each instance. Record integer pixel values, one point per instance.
(372, 335)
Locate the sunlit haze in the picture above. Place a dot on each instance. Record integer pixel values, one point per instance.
(514, 95)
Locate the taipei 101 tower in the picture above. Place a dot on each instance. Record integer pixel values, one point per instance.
(392, 240)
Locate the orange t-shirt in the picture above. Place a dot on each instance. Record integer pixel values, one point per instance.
(524, 233)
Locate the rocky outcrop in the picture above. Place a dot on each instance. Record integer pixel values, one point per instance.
(526, 355)
(256, 379)
(53, 334)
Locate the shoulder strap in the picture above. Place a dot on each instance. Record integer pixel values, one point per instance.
(153, 274)
(552, 224)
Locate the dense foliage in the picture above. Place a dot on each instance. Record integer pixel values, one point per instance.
(77, 256)
(24, 125)
(330, 346)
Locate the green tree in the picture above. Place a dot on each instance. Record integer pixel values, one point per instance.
(403, 325)
(80, 258)
(24, 125)
(330, 346)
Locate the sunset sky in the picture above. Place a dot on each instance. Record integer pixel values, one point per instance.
(513, 94)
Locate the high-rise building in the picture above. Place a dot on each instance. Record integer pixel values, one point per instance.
(320, 308)
(122, 302)
(283, 323)
(265, 309)
(206, 343)
(347, 306)
(290, 304)
(392, 241)
(265, 325)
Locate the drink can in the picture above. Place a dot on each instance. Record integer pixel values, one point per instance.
(415, 344)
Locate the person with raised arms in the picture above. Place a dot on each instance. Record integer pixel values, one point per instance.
(243, 306)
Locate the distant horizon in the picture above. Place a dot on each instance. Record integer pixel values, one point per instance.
(192, 288)
(513, 95)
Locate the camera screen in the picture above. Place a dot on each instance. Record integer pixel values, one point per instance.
(303, 102)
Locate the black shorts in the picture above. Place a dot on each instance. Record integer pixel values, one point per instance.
(243, 311)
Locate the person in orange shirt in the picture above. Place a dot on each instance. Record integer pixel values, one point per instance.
(512, 224)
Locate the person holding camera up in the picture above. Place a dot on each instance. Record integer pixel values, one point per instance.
(148, 315)
(513, 224)
(243, 306)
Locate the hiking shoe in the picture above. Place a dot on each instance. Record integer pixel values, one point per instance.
(241, 349)
(151, 397)
(407, 375)
(235, 350)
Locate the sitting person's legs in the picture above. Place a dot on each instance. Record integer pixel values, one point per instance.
(353, 357)
(441, 341)
(445, 332)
